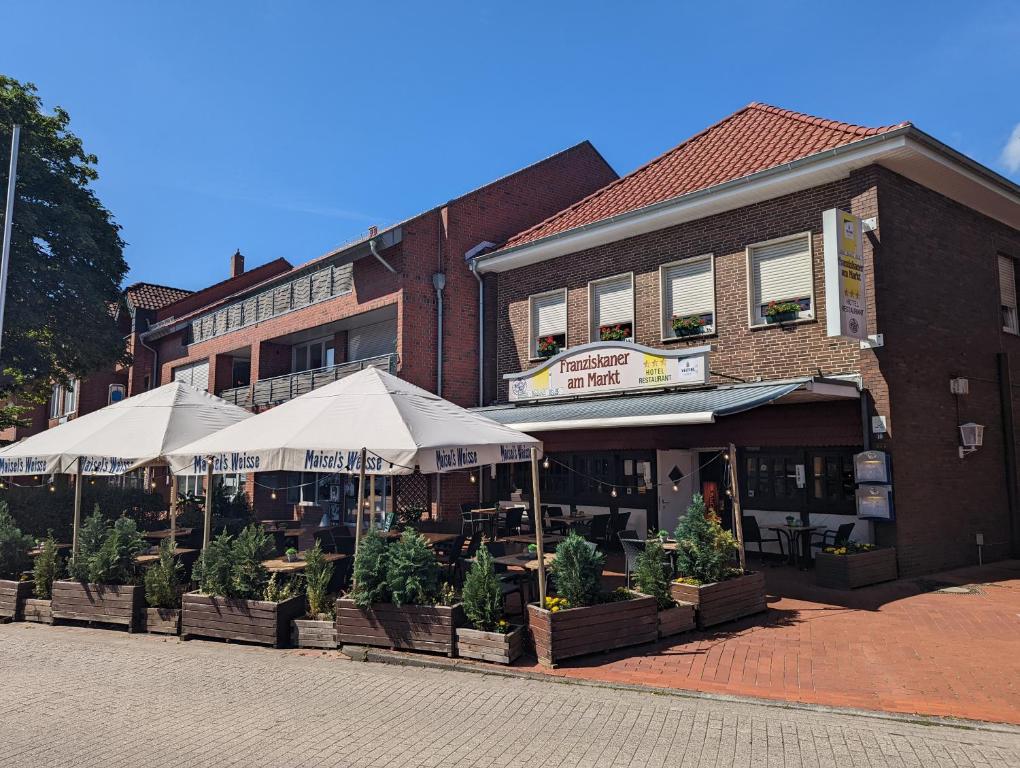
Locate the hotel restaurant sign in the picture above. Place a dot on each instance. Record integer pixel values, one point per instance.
(610, 366)
(846, 298)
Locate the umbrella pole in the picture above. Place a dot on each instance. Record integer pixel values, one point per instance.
(207, 531)
(173, 508)
(77, 509)
(536, 515)
(359, 507)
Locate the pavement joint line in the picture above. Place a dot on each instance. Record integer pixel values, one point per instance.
(398, 658)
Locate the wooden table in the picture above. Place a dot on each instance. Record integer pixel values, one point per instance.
(792, 533)
(282, 565)
(525, 560)
(165, 534)
(527, 538)
(36, 551)
(492, 522)
(433, 537)
(146, 560)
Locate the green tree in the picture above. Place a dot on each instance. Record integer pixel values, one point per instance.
(412, 571)
(370, 570)
(46, 568)
(703, 549)
(318, 574)
(67, 261)
(14, 546)
(483, 594)
(578, 571)
(163, 580)
(91, 537)
(651, 573)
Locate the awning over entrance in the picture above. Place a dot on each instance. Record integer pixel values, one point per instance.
(665, 408)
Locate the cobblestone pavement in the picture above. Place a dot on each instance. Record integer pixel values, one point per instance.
(74, 696)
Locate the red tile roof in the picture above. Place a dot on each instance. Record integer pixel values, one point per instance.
(752, 139)
(152, 296)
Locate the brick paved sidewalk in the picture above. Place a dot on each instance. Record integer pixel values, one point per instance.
(898, 647)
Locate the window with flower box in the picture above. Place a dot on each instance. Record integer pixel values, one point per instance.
(781, 280)
(548, 323)
(611, 308)
(688, 297)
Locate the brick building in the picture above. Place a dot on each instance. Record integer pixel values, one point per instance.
(402, 298)
(680, 262)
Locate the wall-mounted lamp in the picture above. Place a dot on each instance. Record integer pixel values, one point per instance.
(972, 437)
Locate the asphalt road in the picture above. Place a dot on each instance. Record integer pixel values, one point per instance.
(74, 696)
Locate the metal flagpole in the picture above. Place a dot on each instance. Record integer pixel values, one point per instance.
(536, 516)
(5, 257)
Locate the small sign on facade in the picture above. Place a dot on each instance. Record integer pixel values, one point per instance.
(846, 301)
(610, 366)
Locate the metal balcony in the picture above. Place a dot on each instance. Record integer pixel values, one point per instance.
(280, 389)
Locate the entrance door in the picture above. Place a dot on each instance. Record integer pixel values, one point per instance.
(679, 469)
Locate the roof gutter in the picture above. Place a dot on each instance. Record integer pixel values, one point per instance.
(733, 194)
(698, 417)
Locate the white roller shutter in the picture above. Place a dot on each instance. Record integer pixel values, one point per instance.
(372, 340)
(612, 303)
(195, 374)
(689, 289)
(1007, 293)
(780, 271)
(549, 314)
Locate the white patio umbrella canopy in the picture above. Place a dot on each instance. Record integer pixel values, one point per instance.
(399, 426)
(124, 436)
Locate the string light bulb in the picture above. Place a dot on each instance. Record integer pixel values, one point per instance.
(53, 488)
(2, 485)
(613, 493)
(92, 481)
(272, 495)
(473, 478)
(729, 492)
(675, 487)
(545, 463)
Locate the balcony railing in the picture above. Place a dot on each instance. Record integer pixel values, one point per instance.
(279, 389)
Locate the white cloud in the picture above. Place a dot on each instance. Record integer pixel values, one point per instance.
(1011, 152)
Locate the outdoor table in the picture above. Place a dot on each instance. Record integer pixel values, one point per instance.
(282, 565)
(147, 559)
(792, 534)
(433, 537)
(525, 538)
(525, 560)
(491, 521)
(165, 534)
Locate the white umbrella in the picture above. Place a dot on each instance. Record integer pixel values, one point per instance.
(401, 428)
(133, 433)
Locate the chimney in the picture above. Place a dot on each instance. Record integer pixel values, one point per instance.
(236, 264)
(373, 231)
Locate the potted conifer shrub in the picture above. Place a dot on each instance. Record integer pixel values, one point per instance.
(490, 637)
(853, 565)
(103, 585)
(397, 601)
(44, 572)
(652, 577)
(163, 591)
(719, 591)
(236, 599)
(318, 628)
(14, 562)
(582, 618)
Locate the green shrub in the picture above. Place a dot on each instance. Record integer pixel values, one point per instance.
(278, 591)
(14, 546)
(370, 570)
(318, 574)
(91, 536)
(114, 563)
(410, 516)
(214, 570)
(578, 572)
(251, 547)
(46, 568)
(651, 573)
(163, 580)
(704, 549)
(39, 512)
(483, 593)
(412, 571)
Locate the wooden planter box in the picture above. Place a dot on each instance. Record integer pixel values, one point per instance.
(407, 628)
(724, 600)
(105, 603)
(250, 621)
(580, 631)
(13, 595)
(314, 633)
(38, 611)
(163, 621)
(490, 646)
(857, 570)
(673, 621)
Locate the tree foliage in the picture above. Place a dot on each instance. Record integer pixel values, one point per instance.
(67, 261)
(483, 594)
(651, 573)
(318, 574)
(577, 571)
(704, 549)
(412, 571)
(163, 580)
(370, 571)
(46, 568)
(14, 546)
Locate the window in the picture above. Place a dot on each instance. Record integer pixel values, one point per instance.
(688, 297)
(769, 480)
(313, 355)
(1007, 294)
(64, 400)
(372, 340)
(190, 484)
(195, 374)
(611, 303)
(548, 323)
(780, 273)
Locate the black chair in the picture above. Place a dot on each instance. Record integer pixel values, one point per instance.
(836, 538)
(512, 582)
(469, 521)
(632, 549)
(553, 518)
(512, 521)
(466, 557)
(598, 529)
(752, 535)
(618, 521)
(448, 555)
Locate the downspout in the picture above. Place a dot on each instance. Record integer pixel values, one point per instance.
(481, 332)
(371, 247)
(439, 281)
(154, 381)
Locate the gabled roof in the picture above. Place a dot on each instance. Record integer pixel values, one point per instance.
(750, 140)
(153, 296)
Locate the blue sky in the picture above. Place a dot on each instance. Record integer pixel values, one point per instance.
(285, 129)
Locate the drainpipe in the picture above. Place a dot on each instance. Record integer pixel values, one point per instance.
(481, 333)
(371, 247)
(154, 381)
(439, 281)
